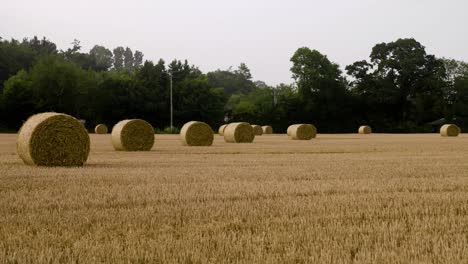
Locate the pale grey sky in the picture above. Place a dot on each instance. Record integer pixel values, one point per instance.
(264, 34)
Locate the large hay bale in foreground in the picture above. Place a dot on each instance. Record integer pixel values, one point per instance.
(267, 130)
(302, 131)
(197, 133)
(365, 130)
(221, 130)
(101, 129)
(258, 131)
(53, 139)
(450, 130)
(133, 135)
(239, 133)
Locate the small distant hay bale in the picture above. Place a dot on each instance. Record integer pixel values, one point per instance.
(197, 133)
(101, 129)
(53, 139)
(267, 130)
(239, 133)
(302, 131)
(221, 130)
(365, 130)
(450, 130)
(258, 131)
(133, 135)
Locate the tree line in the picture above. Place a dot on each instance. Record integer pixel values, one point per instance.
(399, 88)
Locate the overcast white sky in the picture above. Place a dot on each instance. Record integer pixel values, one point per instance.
(264, 34)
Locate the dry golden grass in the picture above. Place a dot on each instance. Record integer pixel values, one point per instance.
(336, 199)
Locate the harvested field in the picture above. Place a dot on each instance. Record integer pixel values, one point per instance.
(335, 199)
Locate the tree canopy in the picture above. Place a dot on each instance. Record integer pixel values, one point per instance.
(399, 88)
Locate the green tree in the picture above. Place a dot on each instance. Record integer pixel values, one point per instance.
(103, 58)
(110, 100)
(402, 77)
(18, 99)
(288, 107)
(243, 71)
(119, 58)
(456, 91)
(83, 60)
(128, 59)
(138, 59)
(322, 90)
(152, 86)
(196, 99)
(41, 46)
(238, 81)
(14, 56)
(257, 107)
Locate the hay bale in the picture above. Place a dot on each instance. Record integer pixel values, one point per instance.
(221, 130)
(258, 131)
(365, 130)
(302, 131)
(239, 133)
(53, 139)
(101, 129)
(450, 130)
(267, 130)
(133, 135)
(196, 133)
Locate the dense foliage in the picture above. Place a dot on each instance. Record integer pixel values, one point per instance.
(400, 88)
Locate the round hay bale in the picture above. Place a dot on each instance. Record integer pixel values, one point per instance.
(258, 131)
(221, 130)
(267, 130)
(196, 133)
(53, 139)
(450, 130)
(101, 129)
(365, 130)
(302, 131)
(133, 135)
(239, 133)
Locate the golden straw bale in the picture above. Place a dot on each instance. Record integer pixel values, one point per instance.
(302, 131)
(239, 133)
(258, 131)
(365, 130)
(101, 129)
(53, 139)
(133, 135)
(196, 133)
(267, 130)
(450, 130)
(221, 130)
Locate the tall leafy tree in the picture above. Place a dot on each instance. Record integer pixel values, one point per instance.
(110, 101)
(119, 58)
(14, 56)
(41, 46)
(128, 59)
(322, 90)
(53, 84)
(138, 59)
(18, 99)
(197, 99)
(233, 82)
(152, 86)
(83, 60)
(103, 58)
(243, 71)
(401, 76)
(456, 91)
